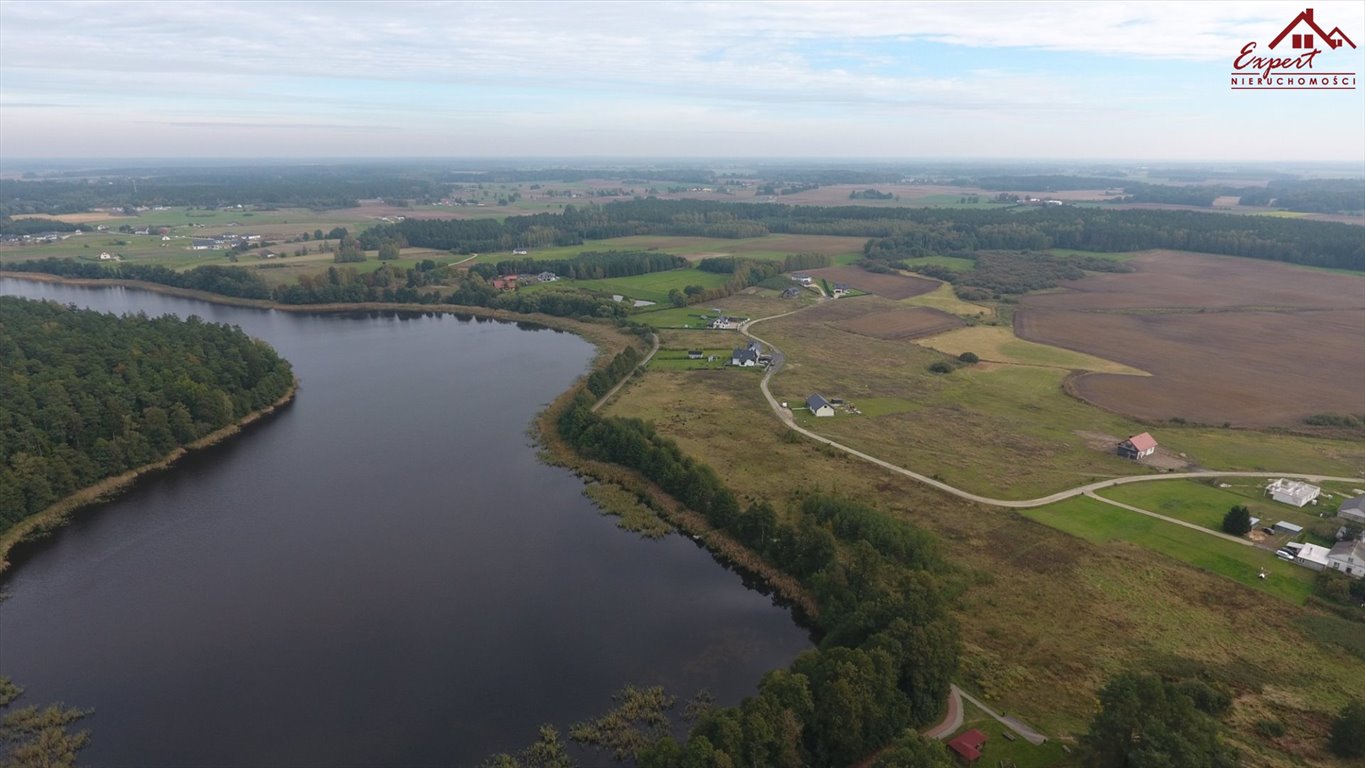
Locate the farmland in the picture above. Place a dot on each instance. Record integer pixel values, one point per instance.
(1222, 337)
(907, 323)
(886, 286)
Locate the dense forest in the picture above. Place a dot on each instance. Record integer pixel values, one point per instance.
(935, 230)
(998, 273)
(88, 395)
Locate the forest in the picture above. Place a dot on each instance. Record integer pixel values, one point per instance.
(935, 230)
(88, 395)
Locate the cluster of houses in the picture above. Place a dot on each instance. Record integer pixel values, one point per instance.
(511, 282)
(217, 242)
(1346, 556)
(40, 237)
(723, 323)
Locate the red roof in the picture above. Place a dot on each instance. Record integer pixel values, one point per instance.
(968, 745)
(1142, 442)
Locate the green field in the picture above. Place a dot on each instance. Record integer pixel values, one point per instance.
(693, 317)
(955, 263)
(1203, 504)
(1100, 523)
(998, 748)
(677, 359)
(653, 286)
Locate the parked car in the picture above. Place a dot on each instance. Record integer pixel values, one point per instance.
(1284, 554)
(1268, 531)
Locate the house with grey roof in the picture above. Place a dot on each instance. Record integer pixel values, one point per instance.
(746, 356)
(1348, 557)
(819, 406)
(1353, 510)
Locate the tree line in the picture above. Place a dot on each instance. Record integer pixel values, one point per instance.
(889, 646)
(998, 273)
(589, 265)
(89, 395)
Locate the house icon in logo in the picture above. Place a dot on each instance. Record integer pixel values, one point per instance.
(1304, 37)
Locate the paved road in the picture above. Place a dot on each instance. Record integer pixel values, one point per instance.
(1083, 490)
(951, 721)
(655, 348)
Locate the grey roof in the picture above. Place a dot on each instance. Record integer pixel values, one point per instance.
(745, 353)
(1353, 505)
(1354, 549)
(815, 402)
(1289, 526)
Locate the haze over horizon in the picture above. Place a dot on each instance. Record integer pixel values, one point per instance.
(951, 81)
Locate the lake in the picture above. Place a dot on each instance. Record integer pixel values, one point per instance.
(382, 573)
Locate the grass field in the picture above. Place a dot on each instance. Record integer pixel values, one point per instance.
(997, 343)
(998, 748)
(1205, 505)
(677, 359)
(1046, 616)
(653, 286)
(1100, 523)
(943, 298)
(769, 248)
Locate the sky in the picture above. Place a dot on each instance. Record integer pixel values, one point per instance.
(955, 80)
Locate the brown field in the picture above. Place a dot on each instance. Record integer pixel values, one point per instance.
(1253, 343)
(886, 286)
(74, 218)
(910, 323)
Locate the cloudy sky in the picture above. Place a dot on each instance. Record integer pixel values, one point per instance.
(1122, 80)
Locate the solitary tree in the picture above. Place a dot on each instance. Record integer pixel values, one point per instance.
(1237, 521)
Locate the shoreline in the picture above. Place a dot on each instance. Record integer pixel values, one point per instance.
(608, 339)
(59, 513)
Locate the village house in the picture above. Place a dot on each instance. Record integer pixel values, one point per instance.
(547, 277)
(1292, 492)
(1137, 447)
(1348, 557)
(201, 244)
(968, 745)
(746, 356)
(1353, 510)
(840, 289)
(1312, 556)
(694, 354)
(819, 406)
(106, 256)
(802, 279)
(723, 323)
(519, 251)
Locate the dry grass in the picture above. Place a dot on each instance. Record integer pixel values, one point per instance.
(997, 343)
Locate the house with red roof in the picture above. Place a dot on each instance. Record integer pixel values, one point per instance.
(968, 745)
(1138, 446)
(1303, 39)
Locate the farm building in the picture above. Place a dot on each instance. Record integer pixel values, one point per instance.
(1292, 492)
(745, 356)
(791, 293)
(694, 354)
(1137, 447)
(1348, 557)
(819, 406)
(1289, 528)
(802, 279)
(1353, 510)
(1312, 556)
(968, 745)
(547, 277)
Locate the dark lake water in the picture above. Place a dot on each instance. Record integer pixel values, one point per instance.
(380, 574)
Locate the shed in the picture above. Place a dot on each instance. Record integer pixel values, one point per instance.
(819, 406)
(1137, 446)
(1352, 509)
(968, 745)
(694, 354)
(1289, 528)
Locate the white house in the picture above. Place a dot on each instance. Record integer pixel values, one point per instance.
(802, 279)
(1312, 556)
(819, 406)
(547, 277)
(1353, 510)
(1292, 492)
(1348, 557)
